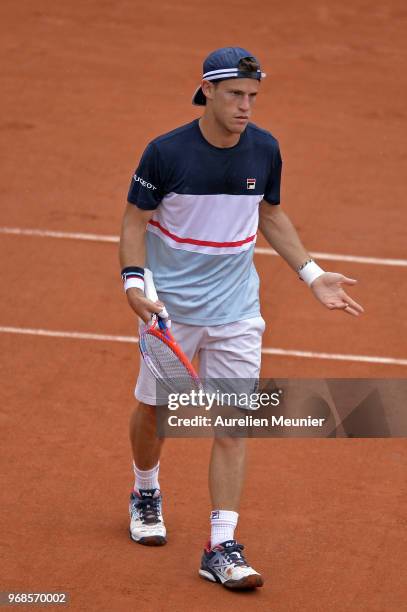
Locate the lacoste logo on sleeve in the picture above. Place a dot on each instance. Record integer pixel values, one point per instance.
(138, 179)
(251, 183)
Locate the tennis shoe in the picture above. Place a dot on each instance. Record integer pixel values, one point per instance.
(146, 519)
(225, 564)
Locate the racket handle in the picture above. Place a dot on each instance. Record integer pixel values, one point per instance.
(151, 293)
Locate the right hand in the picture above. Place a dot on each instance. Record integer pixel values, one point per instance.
(143, 307)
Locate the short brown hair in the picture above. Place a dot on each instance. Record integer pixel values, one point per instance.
(248, 64)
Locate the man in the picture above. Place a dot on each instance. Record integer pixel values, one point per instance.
(201, 192)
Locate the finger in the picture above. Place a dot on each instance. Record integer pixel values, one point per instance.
(340, 305)
(147, 311)
(144, 315)
(352, 303)
(154, 307)
(160, 309)
(348, 281)
(337, 305)
(351, 311)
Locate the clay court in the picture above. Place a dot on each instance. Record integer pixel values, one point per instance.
(85, 85)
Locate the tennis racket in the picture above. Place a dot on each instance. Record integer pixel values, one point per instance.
(161, 353)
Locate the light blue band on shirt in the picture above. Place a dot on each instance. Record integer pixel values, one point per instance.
(201, 289)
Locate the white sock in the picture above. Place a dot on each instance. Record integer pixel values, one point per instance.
(223, 525)
(146, 479)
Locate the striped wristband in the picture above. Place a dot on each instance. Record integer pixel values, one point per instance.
(309, 271)
(133, 276)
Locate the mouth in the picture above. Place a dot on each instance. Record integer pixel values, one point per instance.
(241, 118)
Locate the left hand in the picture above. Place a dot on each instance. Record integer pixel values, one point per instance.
(327, 288)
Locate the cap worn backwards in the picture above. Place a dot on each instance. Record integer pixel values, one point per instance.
(224, 64)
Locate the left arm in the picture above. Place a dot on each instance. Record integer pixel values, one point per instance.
(281, 234)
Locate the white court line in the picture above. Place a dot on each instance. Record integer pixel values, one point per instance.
(380, 261)
(65, 334)
(16, 231)
(335, 356)
(265, 351)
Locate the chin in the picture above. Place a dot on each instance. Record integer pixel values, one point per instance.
(237, 129)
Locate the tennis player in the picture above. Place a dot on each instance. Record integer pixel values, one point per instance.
(196, 201)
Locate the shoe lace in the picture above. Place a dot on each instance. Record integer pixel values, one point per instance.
(234, 555)
(149, 510)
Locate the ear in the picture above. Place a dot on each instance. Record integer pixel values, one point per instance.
(208, 89)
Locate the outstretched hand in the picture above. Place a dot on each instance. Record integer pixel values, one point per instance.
(327, 288)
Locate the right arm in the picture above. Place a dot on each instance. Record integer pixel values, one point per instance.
(132, 253)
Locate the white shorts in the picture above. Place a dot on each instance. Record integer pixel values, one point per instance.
(224, 351)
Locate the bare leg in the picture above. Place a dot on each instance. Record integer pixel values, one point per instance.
(145, 444)
(146, 523)
(226, 472)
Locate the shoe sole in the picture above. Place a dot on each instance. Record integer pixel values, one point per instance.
(150, 540)
(244, 584)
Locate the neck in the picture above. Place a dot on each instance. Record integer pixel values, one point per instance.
(216, 134)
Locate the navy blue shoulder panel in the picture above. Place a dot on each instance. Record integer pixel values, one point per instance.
(182, 161)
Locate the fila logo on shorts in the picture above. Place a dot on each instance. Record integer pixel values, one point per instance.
(251, 183)
(143, 182)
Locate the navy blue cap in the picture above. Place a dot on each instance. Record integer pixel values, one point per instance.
(224, 64)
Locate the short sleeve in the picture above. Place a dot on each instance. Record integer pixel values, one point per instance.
(272, 191)
(146, 188)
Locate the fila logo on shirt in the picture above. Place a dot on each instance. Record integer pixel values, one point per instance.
(138, 179)
(251, 183)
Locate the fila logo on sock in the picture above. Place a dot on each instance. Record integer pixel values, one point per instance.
(251, 183)
(215, 514)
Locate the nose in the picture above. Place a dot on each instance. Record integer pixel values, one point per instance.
(244, 102)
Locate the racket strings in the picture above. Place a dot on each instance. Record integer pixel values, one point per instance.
(171, 371)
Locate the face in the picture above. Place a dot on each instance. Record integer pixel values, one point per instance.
(231, 102)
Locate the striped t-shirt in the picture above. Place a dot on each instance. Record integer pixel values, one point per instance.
(200, 240)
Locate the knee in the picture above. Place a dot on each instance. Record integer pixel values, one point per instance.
(229, 444)
(143, 413)
(146, 409)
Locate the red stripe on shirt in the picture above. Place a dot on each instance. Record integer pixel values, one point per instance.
(201, 242)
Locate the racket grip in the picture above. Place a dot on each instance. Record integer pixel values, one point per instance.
(151, 293)
(164, 313)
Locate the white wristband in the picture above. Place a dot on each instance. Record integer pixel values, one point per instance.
(310, 272)
(137, 283)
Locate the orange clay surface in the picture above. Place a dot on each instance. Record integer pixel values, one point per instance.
(84, 86)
